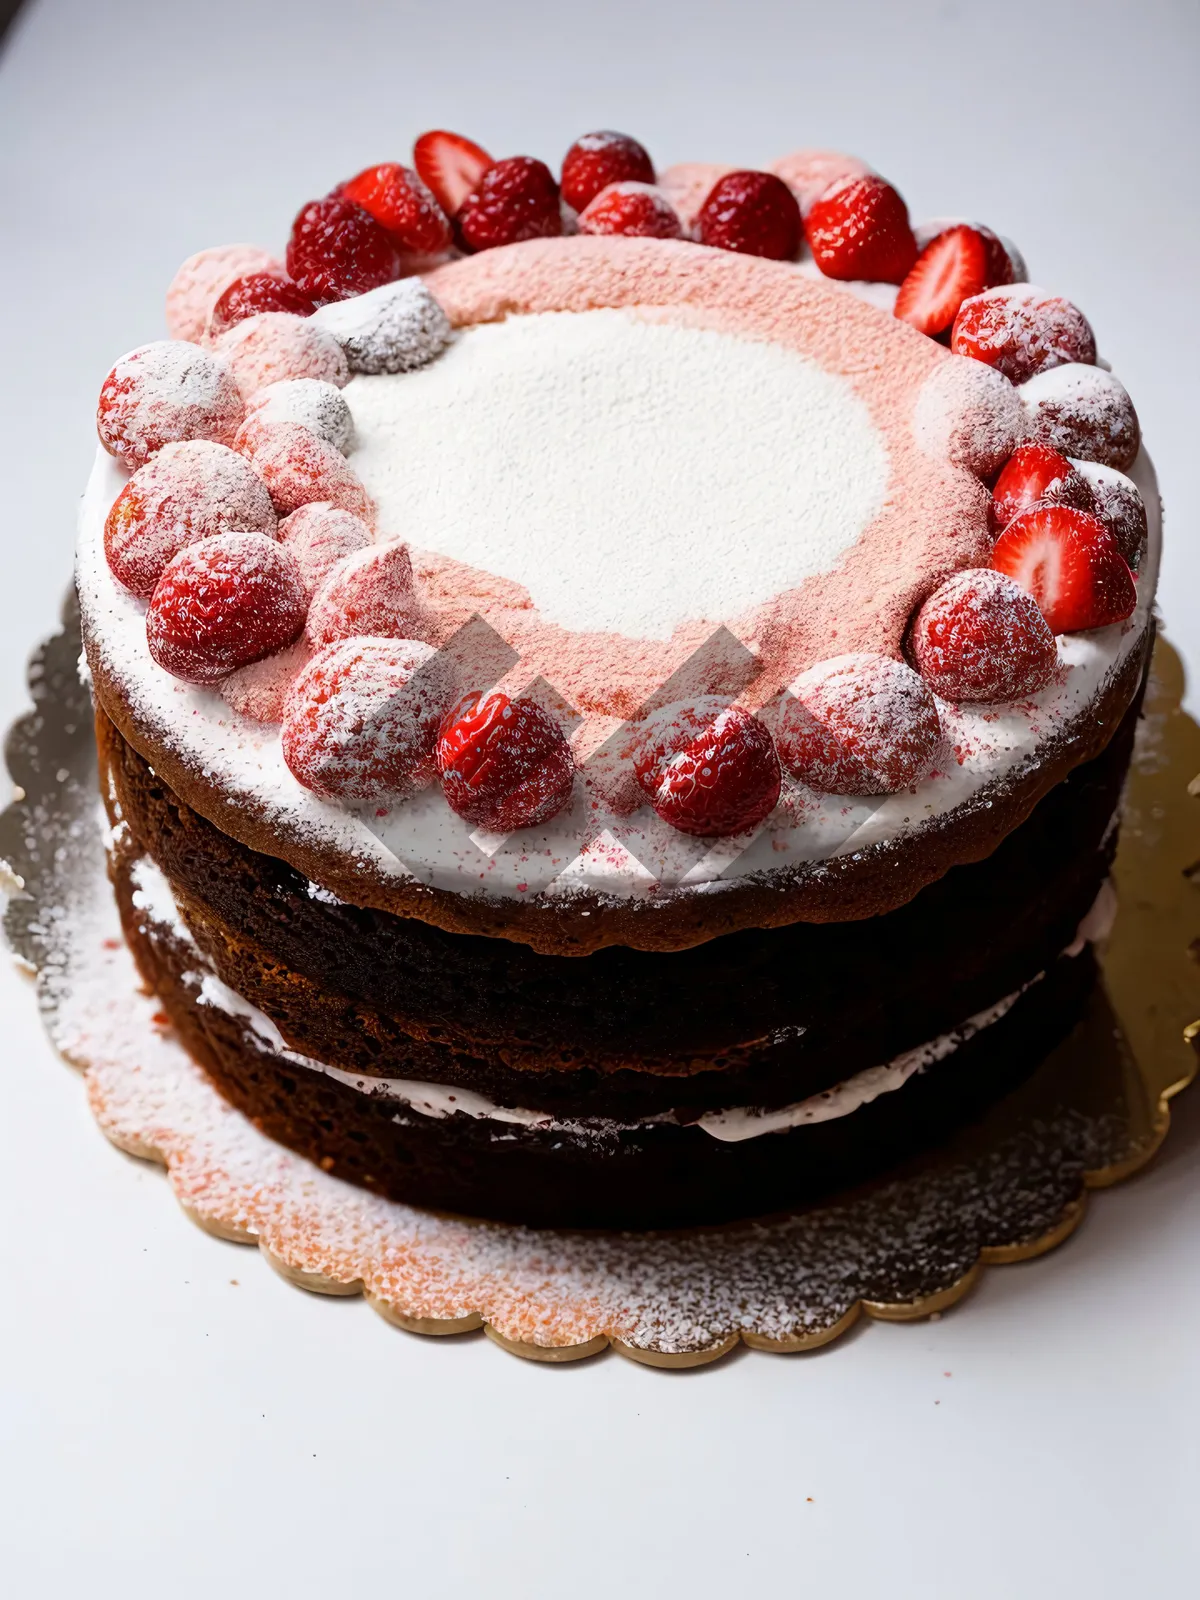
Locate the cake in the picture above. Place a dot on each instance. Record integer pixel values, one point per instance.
(613, 692)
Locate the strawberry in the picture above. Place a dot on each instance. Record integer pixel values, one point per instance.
(1021, 330)
(504, 764)
(223, 603)
(859, 229)
(401, 202)
(189, 491)
(275, 346)
(318, 536)
(515, 199)
(298, 467)
(1036, 475)
(1000, 267)
(707, 768)
(1082, 411)
(163, 393)
(361, 719)
(982, 637)
(858, 724)
(369, 591)
(337, 249)
(257, 292)
(633, 210)
(753, 213)
(1071, 565)
(949, 269)
(598, 159)
(450, 166)
(1118, 503)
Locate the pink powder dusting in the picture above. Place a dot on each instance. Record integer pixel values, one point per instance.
(275, 346)
(260, 690)
(202, 278)
(164, 392)
(189, 491)
(368, 592)
(687, 186)
(298, 468)
(808, 173)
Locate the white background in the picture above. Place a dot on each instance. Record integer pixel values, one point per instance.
(172, 1415)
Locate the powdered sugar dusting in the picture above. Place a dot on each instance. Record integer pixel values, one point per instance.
(970, 414)
(275, 346)
(395, 328)
(1082, 411)
(312, 402)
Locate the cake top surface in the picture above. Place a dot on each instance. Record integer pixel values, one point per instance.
(708, 541)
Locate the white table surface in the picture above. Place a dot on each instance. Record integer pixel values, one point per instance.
(173, 1415)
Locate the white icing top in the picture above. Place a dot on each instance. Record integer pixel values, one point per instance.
(631, 475)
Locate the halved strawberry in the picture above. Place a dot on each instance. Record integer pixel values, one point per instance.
(400, 202)
(1036, 475)
(951, 268)
(1070, 564)
(450, 166)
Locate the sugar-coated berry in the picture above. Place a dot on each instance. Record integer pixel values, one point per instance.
(504, 764)
(361, 719)
(313, 403)
(396, 328)
(318, 536)
(274, 346)
(859, 229)
(253, 294)
(708, 768)
(1036, 475)
(298, 467)
(980, 636)
(200, 280)
(970, 414)
(337, 249)
(223, 603)
(597, 159)
(401, 202)
(1021, 330)
(631, 210)
(1082, 411)
(753, 213)
(858, 724)
(189, 491)
(515, 199)
(369, 591)
(1117, 502)
(163, 392)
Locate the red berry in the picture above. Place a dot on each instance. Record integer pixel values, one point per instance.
(1000, 265)
(337, 250)
(257, 291)
(275, 346)
(317, 537)
(635, 210)
(981, 637)
(370, 591)
(1021, 330)
(1069, 562)
(859, 229)
(222, 604)
(312, 402)
(754, 213)
(200, 280)
(1036, 475)
(707, 768)
(809, 173)
(1118, 504)
(298, 468)
(1082, 411)
(401, 202)
(450, 165)
(947, 272)
(859, 724)
(598, 159)
(504, 763)
(189, 491)
(514, 200)
(165, 392)
(361, 719)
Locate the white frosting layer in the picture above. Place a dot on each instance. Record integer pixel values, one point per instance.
(434, 444)
(631, 475)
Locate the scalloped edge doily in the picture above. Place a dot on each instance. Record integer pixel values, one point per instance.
(906, 1248)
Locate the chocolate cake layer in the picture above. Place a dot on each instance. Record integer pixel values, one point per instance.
(762, 1017)
(660, 1175)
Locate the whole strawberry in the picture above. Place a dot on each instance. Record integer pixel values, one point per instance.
(859, 229)
(597, 159)
(515, 199)
(753, 213)
(707, 768)
(504, 763)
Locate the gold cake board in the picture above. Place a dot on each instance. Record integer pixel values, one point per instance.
(1012, 1187)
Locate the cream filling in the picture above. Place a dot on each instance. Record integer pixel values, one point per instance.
(153, 896)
